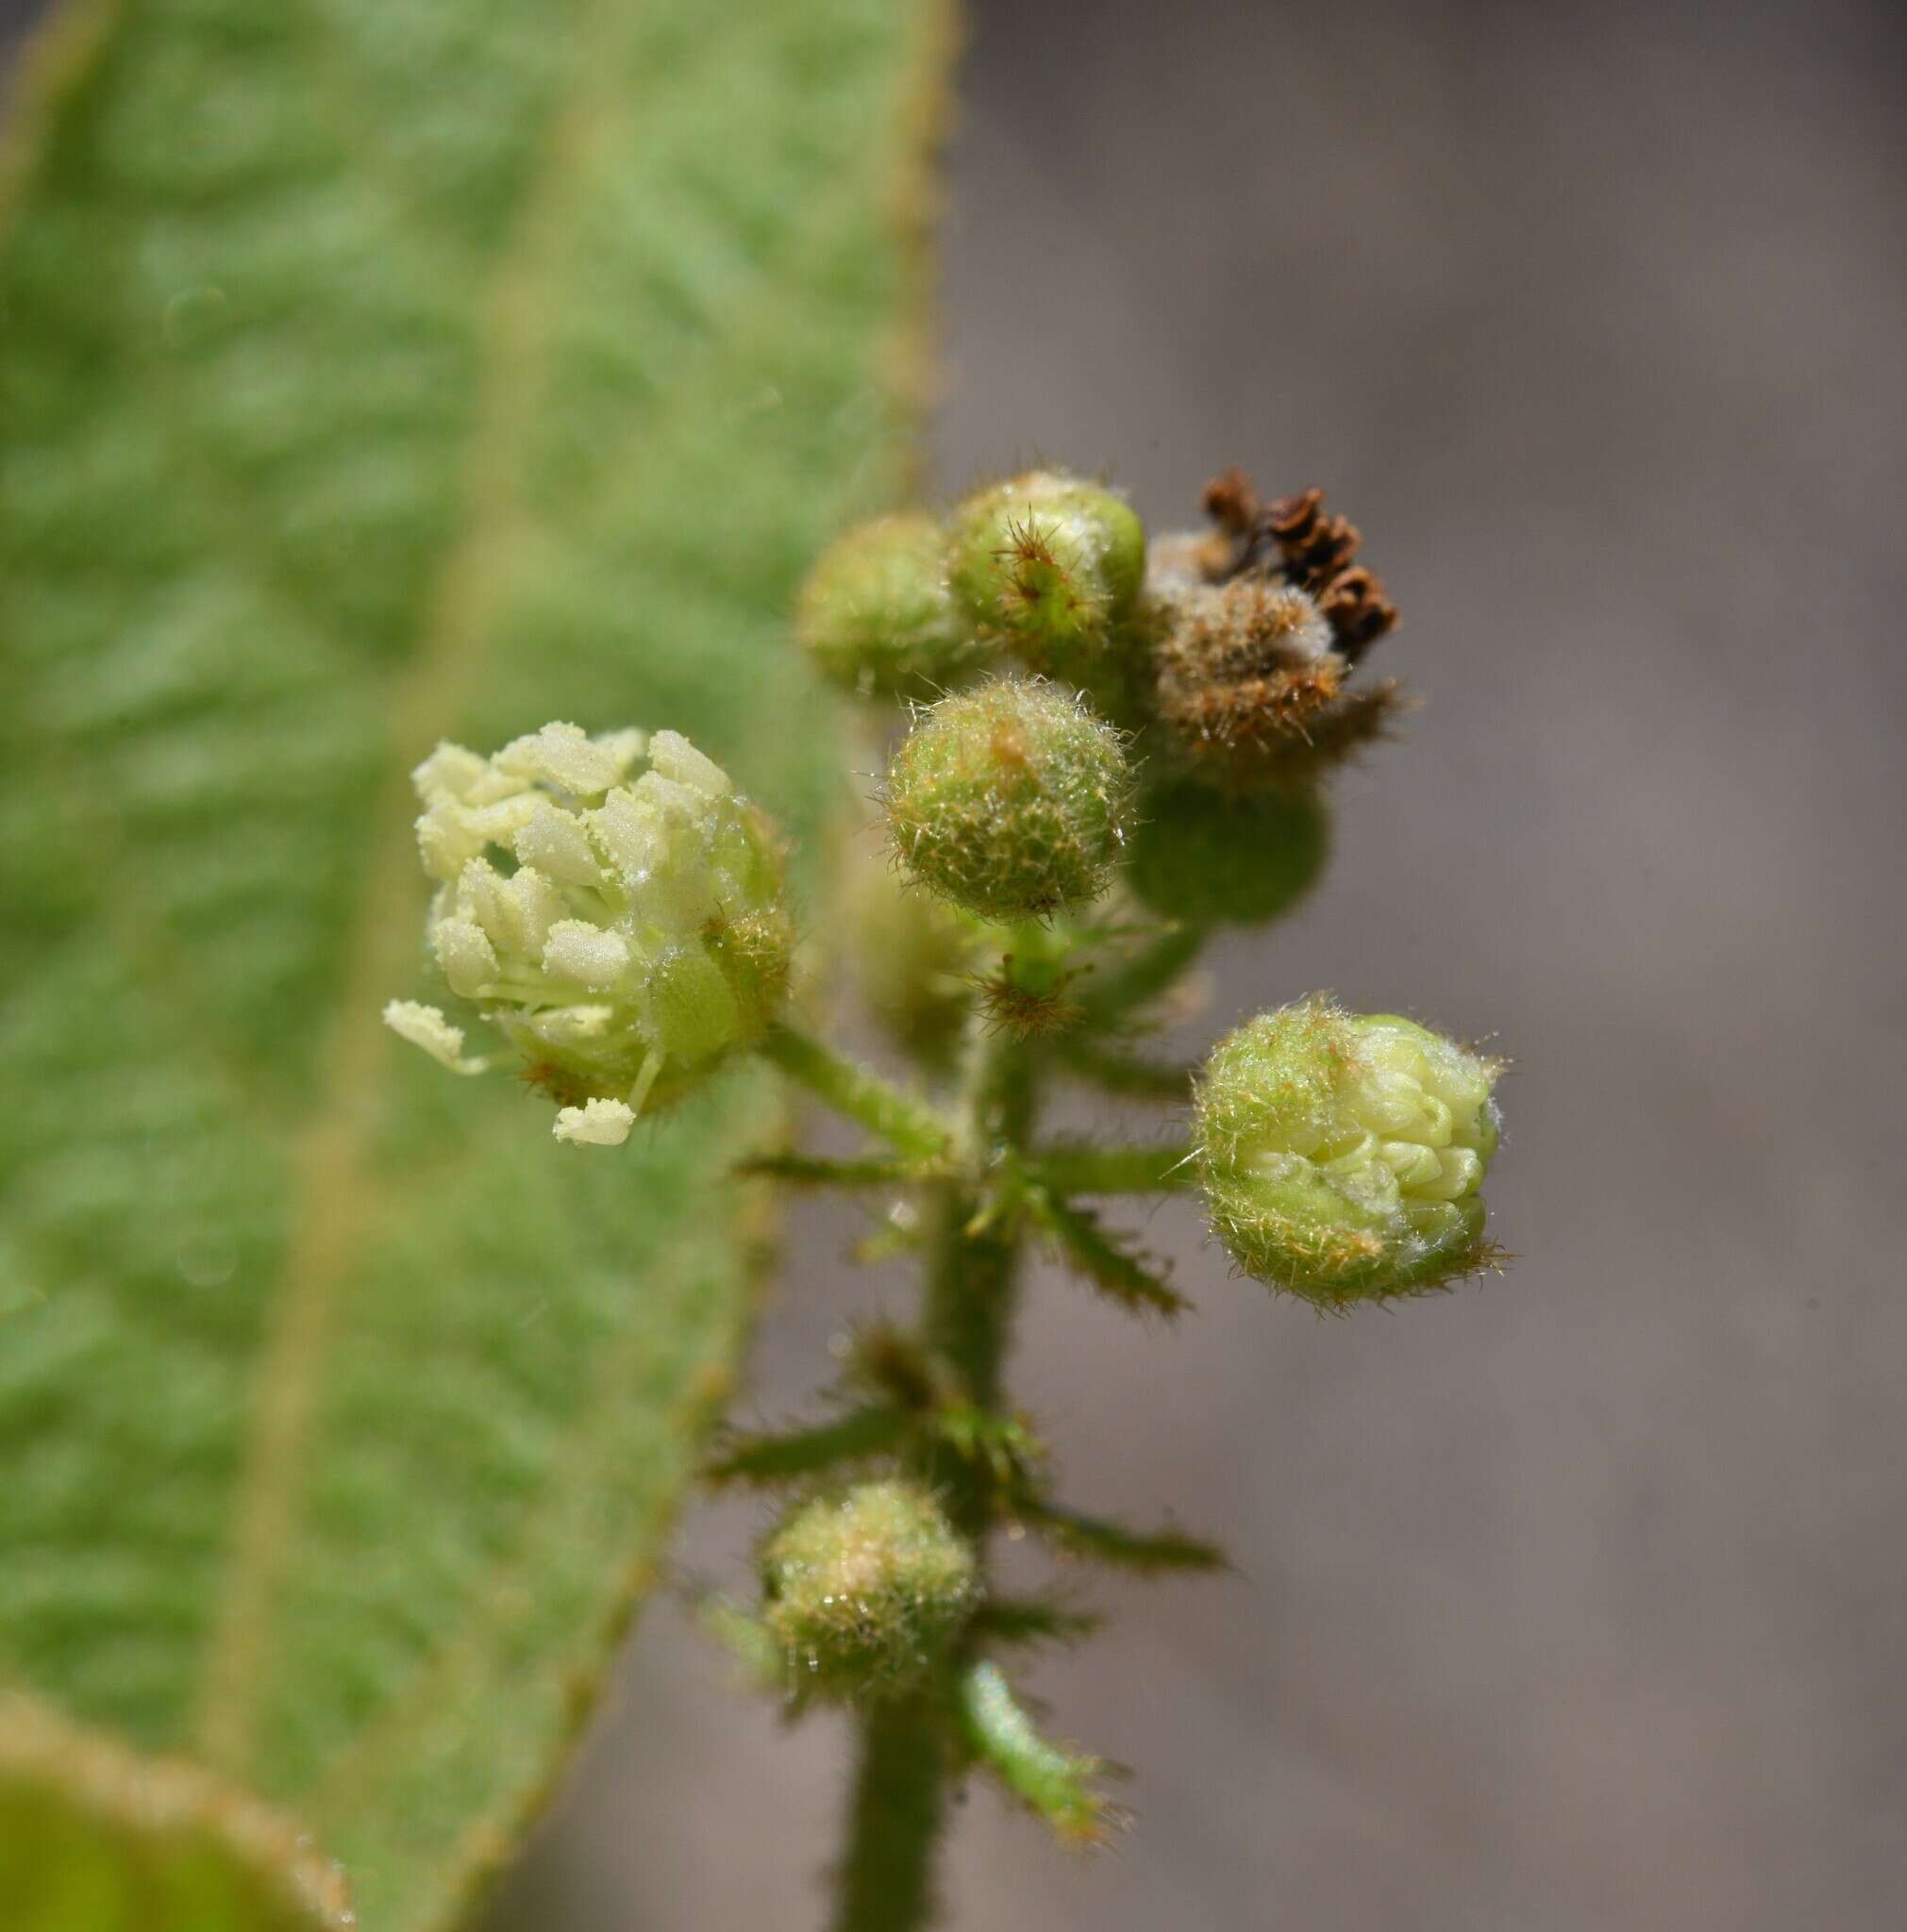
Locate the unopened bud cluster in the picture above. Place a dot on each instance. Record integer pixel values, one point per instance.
(1342, 1154)
(1226, 661)
(1090, 719)
(863, 1588)
(611, 904)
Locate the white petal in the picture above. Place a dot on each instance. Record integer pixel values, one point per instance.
(516, 913)
(633, 837)
(595, 1123)
(570, 1026)
(626, 746)
(679, 804)
(673, 756)
(427, 1027)
(555, 842)
(586, 954)
(467, 957)
(449, 772)
(564, 756)
(445, 840)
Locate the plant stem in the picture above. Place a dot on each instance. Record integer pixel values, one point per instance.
(1129, 1076)
(972, 1270)
(857, 1092)
(1082, 1169)
(899, 1805)
(1148, 973)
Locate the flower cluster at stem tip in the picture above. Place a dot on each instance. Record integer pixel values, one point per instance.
(611, 905)
(1113, 747)
(1154, 722)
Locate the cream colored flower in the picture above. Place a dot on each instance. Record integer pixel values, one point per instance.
(611, 905)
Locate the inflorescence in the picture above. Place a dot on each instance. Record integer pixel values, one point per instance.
(1112, 749)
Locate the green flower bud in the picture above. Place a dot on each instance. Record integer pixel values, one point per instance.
(613, 908)
(1049, 565)
(1340, 1154)
(1011, 800)
(876, 614)
(1213, 858)
(863, 1588)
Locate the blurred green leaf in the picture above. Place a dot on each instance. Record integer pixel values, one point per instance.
(94, 1839)
(371, 371)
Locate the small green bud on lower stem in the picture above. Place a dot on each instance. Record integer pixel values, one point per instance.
(863, 1588)
(875, 615)
(1341, 1155)
(1012, 800)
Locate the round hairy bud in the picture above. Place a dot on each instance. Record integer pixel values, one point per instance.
(1340, 1154)
(612, 907)
(875, 615)
(1011, 800)
(1049, 565)
(863, 1588)
(1214, 858)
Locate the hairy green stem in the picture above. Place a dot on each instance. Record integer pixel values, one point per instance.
(886, 1882)
(1081, 1169)
(803, 1170)
(971, 1274)
(857, 1092)
(1132, 1076)
(1148, 973)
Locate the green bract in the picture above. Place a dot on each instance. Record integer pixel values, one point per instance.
(863, 1588)
(875, 615)
(1341, 1155)
(1011, 800)
(1213, 858)
(623, 929)
(1048, 564)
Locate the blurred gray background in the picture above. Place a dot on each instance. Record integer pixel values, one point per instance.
(1573, 1600)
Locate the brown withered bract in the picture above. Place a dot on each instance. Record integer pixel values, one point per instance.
(1265, 621)
(1241, 671)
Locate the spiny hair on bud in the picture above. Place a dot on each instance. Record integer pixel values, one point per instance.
(1011, 800)
(1047, 564)
(1027, 1012)
(864, 1587)
(1342, 1154)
